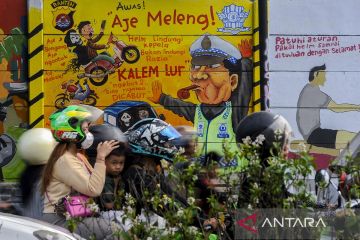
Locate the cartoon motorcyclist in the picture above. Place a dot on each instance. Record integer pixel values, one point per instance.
(86, 30)
(75, 90)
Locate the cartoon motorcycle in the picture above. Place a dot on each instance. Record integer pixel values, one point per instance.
(98, 71)
(63, 99)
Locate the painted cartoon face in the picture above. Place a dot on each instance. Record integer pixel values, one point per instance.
(321, 77)
(125, 118)
(143, 114)
(87, 31)
(214, 83)
(75, 38)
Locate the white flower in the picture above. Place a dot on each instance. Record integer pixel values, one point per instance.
(247, 140)
(129, 199)
(67, 216)
(191, 200)
(166, 200)
(93, 207)
(260, 139)
(181, 150)
(278, 134)
(234, 198)
(129, 210)
(180, 213)
(172, 230)
(302, 147)
(193, 230)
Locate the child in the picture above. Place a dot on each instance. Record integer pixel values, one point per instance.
(113, 182)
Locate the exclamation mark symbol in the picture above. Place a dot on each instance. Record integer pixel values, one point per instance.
(144, 4)
(212, 15)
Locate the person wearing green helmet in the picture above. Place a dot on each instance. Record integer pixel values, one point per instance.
(68, 171)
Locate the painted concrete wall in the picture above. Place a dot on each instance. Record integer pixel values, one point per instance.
(14, 114)
(166, 36)
(314, 57)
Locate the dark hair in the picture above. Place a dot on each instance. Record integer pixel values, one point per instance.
(67, 38)
(58, 151)
(82, 24)
(314, 70)
(120, 151)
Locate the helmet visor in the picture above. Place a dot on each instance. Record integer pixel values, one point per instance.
(170, 133)
(95, 113)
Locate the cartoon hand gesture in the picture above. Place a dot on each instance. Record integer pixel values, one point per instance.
(157, 91)
(245, 48)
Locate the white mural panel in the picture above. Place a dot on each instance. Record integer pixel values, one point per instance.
(314, 69)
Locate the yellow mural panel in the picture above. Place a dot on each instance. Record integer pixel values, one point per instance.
(131, 17)
(102, 52)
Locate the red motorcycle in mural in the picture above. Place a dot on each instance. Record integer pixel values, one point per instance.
(75, 92)
(97, 71)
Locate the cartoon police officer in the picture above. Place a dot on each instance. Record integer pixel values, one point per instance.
(222, 81)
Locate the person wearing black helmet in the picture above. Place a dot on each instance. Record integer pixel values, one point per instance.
(272, 133)
(150, 141)
(101, 133)
(273, 127)
(114, 163)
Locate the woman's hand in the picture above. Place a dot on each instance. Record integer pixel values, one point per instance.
(105, 148)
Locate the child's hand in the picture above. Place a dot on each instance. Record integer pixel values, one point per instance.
(105, 148)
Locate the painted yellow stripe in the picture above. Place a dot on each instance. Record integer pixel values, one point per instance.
(256, 72)
(34, 43)
(35, 84)
(257, 92)
(256, 38)
(256, 56)
(36, 73)
(256, 106)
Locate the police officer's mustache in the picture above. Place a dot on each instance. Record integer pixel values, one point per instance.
(184, 93)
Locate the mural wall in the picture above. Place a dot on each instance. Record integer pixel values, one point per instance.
(14, 114)
(190, 64)
(314, 57)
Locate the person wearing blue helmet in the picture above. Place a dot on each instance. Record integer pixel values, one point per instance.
(150, 141)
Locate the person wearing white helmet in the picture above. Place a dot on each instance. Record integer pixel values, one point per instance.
(34, 147)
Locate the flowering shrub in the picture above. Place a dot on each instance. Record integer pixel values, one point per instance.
(260, 184)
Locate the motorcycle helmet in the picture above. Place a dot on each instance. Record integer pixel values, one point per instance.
(273, 127)
(66, 124)
(36, 145)
(105, 132)
(153, 137)
(188, 134)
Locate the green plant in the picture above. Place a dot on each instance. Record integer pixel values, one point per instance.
(262, 183)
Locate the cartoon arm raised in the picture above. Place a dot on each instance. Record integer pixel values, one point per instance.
(245, 47)
(156, 87)
(179, 107)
